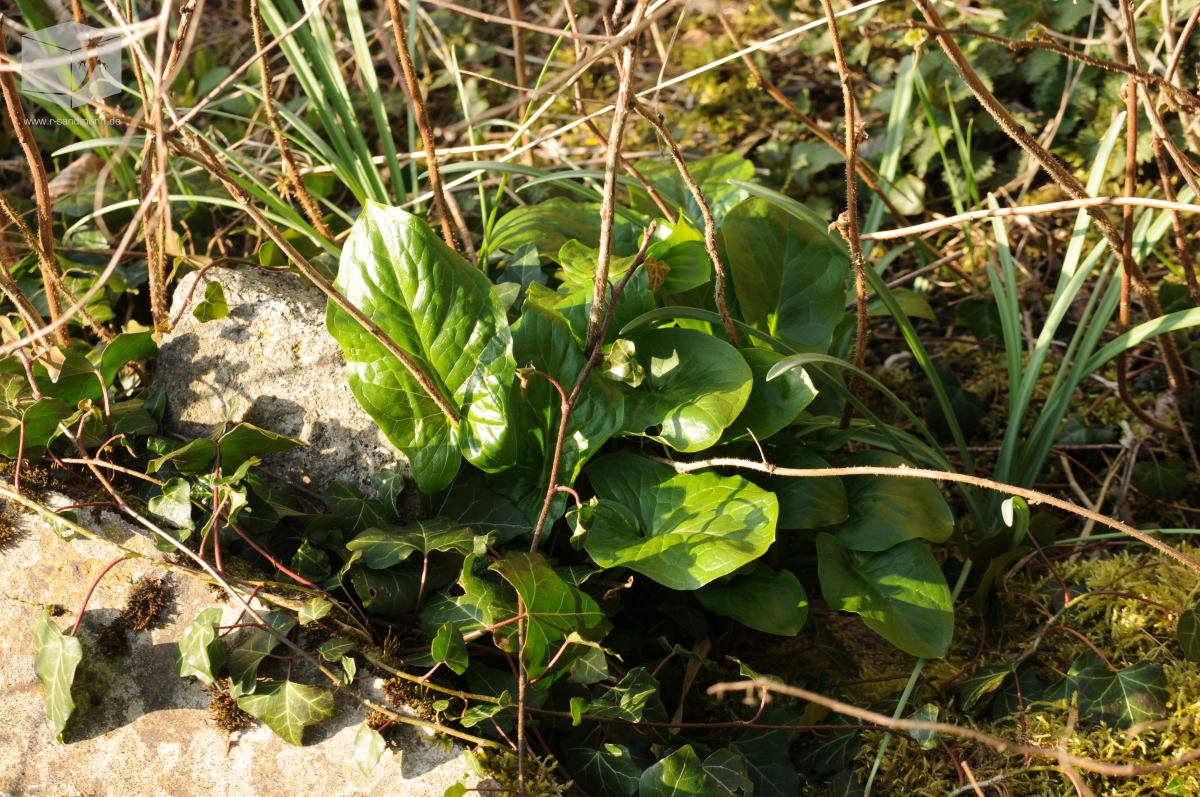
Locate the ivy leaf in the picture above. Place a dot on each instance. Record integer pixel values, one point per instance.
(442, 311)
(483, 601)
(389, 483)
(1076, 432)
(1165, 480)
(71, 376)
(682, 530)
(314, 610)
(541, 339)
(830, 752)
(213, 305)
(368, 747)
(636, 694)
(900, 593)
(789, 276)
(245, 658)
(246, 440)
(189, 459)
(393, 590)
(124, 349)
(885, 510)
(981, 683)
(555, 610)
(335, 649)
(1122, 698)
(345, 500)
(696, 385)
(728, 769)
(57, 656)
(174, 505)
(928, 740)
(382, 548)
(605, 771)
(681, 773)
(1188, 634)
(809, 503)
(470, 503)
(772, 404)
(41, 420)
(982, 317)
(765, 753)
(592, 667)
(450, 648)
(764, 600)
(199, 651)
(484, 711)
(287, 707)
(968, 407)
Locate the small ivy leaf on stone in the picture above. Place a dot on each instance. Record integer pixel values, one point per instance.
(213, 306)
(198, 651)
(368, 747)
(335, 649)
(56, 659)
(314, 610)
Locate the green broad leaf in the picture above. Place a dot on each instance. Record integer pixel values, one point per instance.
(972, 689)
(728, 769)
(470, 503)
(245, 658)
(481, 712)
(1177, 785)
(455, 790)
(912, 303)
(442, 311)
(696, 386)
(629, 699)
(832, 751)
(314, 610)
(174, 505)
(245, 441)
(765, 752)
(311, 563)
(393, 591)
(41, 420)
(56, 657)
(811, 502)
(368, 747)
(1188, 634)
(885, 510)
(542, 339)
(620, 364)
(450, 649)
(550, 224)
(1120, 698)
(124, 349)
(928, 740)
(982, 317)
(712, 175)
(1009, 700)
(213, 305)
(345, 500)
(681, 773)
(968, 408)
(476, 601)
(190, 459)
(578, 708)
(199, 651)
(908, 194)
(900, 593)
(579, 263)
(772, 404)
(70, 377)
(686, 265)
(764, 600)
(524, 269)
(789, 276)
(555, 610)
(382, 548)
(591, 667)
(349, 668)
(1076, 432)
(605, 771)
(389, 484)
(682, 530)
(287, 707)
(1164, 480)
(335, 649)
(573, 301)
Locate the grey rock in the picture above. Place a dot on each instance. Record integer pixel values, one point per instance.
(271, 363)
(138, 728)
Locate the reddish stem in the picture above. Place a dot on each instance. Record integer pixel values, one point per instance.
(92, 589)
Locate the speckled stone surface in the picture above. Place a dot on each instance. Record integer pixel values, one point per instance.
(271, 363)
(139, 729)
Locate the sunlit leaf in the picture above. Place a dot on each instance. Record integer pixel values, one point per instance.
(198, 651)
(245, 658)
(368, 747)
(57, 656)
(287, 707)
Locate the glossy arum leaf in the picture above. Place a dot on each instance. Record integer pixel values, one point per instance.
(550, 224)
(712, 175)
(811, 502)
(384, 548)
(913, 304)
(605, 771)
(682, 530)
(773, 603)
(543, 340)
(772, 404)
(56, 657)
(579, 263)
(442, 311)
(555, 611)
(789, 277)
(124, 349)
(728, 769)
(174, 505)
(213, 305)
(287, 707)
(189, 459)
(1164, 480)
(1121, 698)
(368, 747)
(314, 610)
(450, 649)
(696, 385)
(573, 301)
(885, 510)
(900, 593)
(680, 774)
(245, 441)
(389, 484)
(245, 658)
(199, 651)
(469, 502)
(476, 601)
(683, 266)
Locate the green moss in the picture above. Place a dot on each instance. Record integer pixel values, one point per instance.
(502, 767)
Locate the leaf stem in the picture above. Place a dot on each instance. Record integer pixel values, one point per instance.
(91, 589)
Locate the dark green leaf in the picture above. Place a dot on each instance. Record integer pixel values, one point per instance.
(550, 224)
(199, 651)
(382, 548)
(968, 408)
(311, 563)
(680, 774)
(57, 655)
(245, 441)
(1188, 634)
(1076, 432)
(928, 740)
(389, 592)
(213, 305)
(712, 175)
(772, 404)
(41, 422)
(174, 505)
(605, 771)
(1009, 702)
(682, 530)
(442, 311)
(696, 385)
(804, 503)
(831, 751)
(729, 770)
(450, 649)
(314, 610)
(482, 600)
(245, 658)
(189, 459)
(773, 603)
(789, 277)
(629, 699)
(765, 753)
(885, 510)
(982, 317)
(72, 379)
(687, 266)
(573, 301)
(1120, 698)
(469, 502)
(389, 483)
(1164, 480)
(913, 304)
(287, 707)
(124, 349)
(368, 747)
(345, 500)
(900, 593)
(592, 667)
